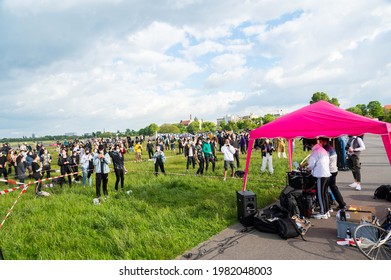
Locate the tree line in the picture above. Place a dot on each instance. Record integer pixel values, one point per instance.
(373, 109)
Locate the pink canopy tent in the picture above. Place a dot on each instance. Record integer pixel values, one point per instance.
(315, 120)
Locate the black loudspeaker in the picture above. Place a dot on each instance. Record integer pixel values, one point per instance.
(247, 207)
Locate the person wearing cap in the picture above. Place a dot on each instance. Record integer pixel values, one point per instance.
(101, 163)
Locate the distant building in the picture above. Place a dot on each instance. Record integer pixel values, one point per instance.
(33, 135)
(186, 123)
(250, 117)
(70, 134)
(227, 119)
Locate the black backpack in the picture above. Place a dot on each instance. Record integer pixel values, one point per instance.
(287, 228)
(382, 192)
(288, 201)
(266, 219)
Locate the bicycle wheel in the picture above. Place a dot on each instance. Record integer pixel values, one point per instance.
(370, 241)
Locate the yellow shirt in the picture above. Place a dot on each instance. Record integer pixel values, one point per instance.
(138, 148)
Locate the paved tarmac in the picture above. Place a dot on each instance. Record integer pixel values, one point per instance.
(234, 243)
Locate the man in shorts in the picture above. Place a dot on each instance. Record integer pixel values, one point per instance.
(228, 150)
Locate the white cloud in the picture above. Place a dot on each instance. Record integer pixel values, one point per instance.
(88, 65)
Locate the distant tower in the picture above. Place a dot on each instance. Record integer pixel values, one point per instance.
(190, 116)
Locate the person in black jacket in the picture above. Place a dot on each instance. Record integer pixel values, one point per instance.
(74, 165)
(37, 175)
(3, 162)
(150, 148)
(64, 162)
(21, 168)
(119, 167)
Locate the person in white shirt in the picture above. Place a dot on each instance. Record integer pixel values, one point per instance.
(228, 150)
(319, 164)
(334, 172)
(354, 147)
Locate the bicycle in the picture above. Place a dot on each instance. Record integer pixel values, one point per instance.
(374, 240)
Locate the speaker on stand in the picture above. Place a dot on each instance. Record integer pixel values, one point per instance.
(247, 207)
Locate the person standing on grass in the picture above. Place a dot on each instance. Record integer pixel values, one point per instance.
(64, 162)
(36, 168)
(189, 154)
(119, 168)
(234, 142)
(229, 151)
(200, 157)
(46, 160)
(21, 168)
(267, 159)
(150, 149)
(101, 163)
(138, 149)
(3, 163)
(159, 159)
(207, 148)
(75, 160)
(87, 167)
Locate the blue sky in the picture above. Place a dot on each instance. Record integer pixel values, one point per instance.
(83, 66)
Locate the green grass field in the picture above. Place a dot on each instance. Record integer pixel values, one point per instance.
(160, 219)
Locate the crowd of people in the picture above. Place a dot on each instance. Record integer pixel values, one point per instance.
(98, 155)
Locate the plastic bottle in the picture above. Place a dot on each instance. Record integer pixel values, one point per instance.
(348, 234)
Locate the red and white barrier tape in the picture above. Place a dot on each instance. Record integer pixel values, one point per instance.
(25, 187)
(35, 182)
(11, 190)
(12, 182)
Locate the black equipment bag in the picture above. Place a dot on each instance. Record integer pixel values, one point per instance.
(274, 211)
(288, 201)
(382, 192)
(266, 219)
(295, 180)
(239, 173)
(306, 201)
(287, 228)
(300, 180)
(264, 224)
